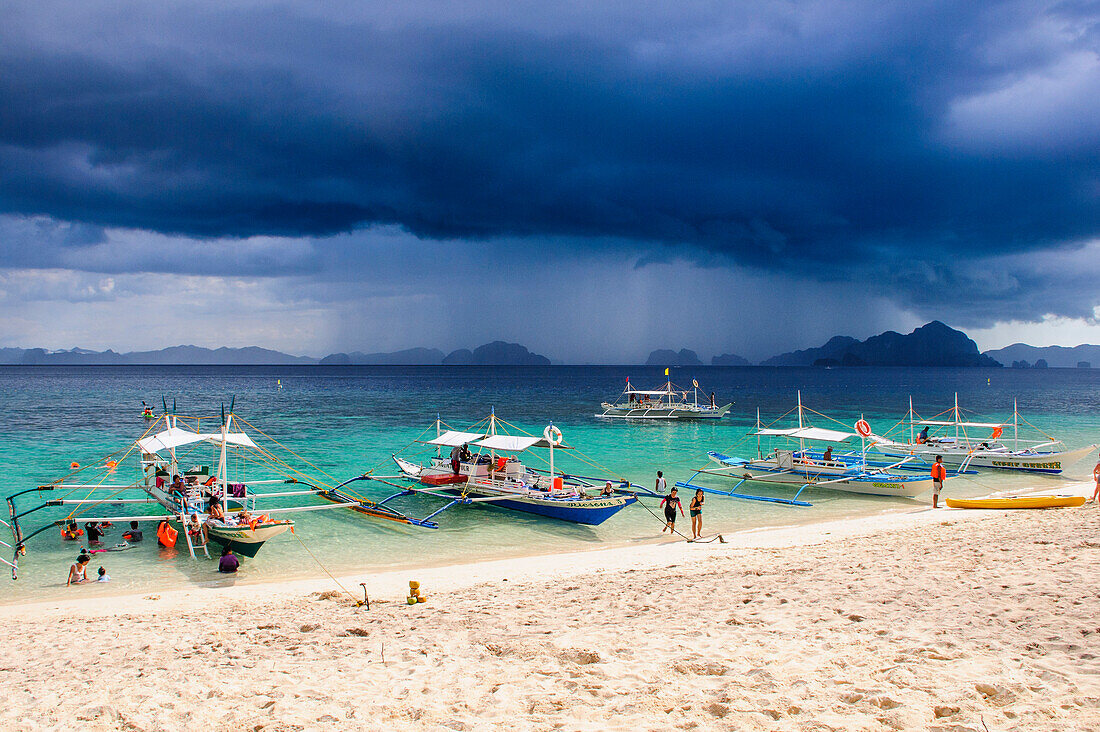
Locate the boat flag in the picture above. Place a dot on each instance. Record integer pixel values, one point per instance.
(666, 371)
(695, 383)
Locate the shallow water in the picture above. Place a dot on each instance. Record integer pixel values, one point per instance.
(346, 420)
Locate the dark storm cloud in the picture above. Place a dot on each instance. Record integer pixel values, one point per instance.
(767, 134)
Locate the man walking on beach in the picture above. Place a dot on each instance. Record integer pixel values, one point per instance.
(939, 474)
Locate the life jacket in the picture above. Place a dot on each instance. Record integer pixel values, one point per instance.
(939, 472)
(166, 535)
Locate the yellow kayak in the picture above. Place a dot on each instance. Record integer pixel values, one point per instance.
(1017, 502)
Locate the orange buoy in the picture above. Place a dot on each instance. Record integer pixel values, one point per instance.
(74, 465)
(112, 464)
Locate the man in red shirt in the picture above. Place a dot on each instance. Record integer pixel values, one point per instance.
(939, 474)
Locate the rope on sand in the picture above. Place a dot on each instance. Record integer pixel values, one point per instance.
(358, 602)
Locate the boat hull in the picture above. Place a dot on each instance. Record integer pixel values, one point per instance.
(1051, 463)
(246, 540)
(1011, 502)
(589, 511)
(665, 412)
(887, 485)
(557, 505)
(837, 477)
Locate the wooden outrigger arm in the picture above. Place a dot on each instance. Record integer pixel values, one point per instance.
(732, 493)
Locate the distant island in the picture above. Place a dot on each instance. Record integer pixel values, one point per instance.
(497, 353)
(407, 357)
(666, 357)
(249, 356)
(934, 344)
(1021, 355)
(729, 359)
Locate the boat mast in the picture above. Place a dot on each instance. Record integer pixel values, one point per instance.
(862, 443)
(957, 420)
(172, 469)
(801, 441)
(911, 437)
(759, 454)
(438, 448)
(1015, 425)
(223, 468)
(492, 431)
(550, 442)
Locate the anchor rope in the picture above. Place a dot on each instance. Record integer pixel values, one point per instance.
(324, 569)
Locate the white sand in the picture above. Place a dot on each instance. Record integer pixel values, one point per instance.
(941, 620)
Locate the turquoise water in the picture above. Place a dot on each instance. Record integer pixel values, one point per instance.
(346, 420)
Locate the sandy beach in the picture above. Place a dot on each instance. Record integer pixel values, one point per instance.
(939, 620)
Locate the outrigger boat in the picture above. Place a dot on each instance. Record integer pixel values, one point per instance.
(850, 472)
(953, 441)
(490, 471)
(668, 402)
(251, 519)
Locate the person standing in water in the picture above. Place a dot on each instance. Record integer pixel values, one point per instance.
(671, 502)
(695, 508)
(78, 572)
(228, 563)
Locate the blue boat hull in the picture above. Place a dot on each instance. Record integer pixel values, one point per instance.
(591, 512)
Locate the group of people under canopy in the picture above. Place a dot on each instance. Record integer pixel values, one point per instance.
(461, 454)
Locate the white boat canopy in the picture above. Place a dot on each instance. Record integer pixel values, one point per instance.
(233, 438)
(809, 433)
(174, 437)
(662, 392)
(454, 438)
(170, 438)
(940, 423)
(514, 443)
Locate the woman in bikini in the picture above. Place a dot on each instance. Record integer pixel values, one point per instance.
(695, 508)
